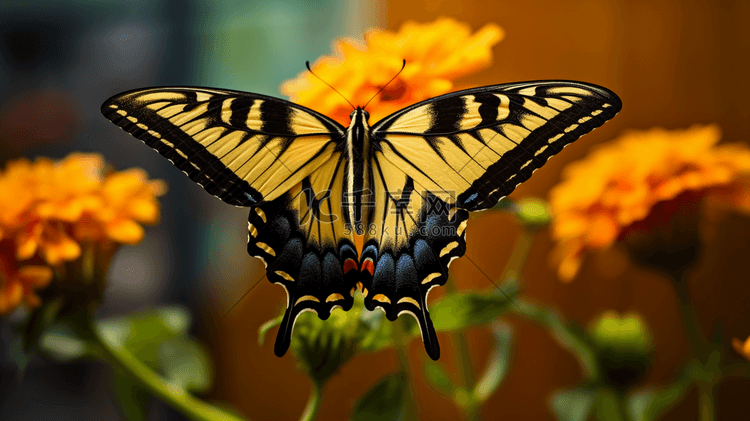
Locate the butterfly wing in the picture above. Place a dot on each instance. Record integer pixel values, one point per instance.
(243, 148)
(459, 152)
(477, 145)
(282, 160)
(413, 235)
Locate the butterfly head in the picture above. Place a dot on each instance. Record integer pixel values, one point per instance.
(359, 111)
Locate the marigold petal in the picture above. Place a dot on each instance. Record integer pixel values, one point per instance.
(602, 231)
(125, 231)
(621, 182)
(144, 210)
(10, 296)
(35, 276)
(61, 249)
(742, 348)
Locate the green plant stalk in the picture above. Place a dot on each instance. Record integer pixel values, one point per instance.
(622, 409)
(517, 259)
(314, 403)
(399, 343)
(463, 363)
(690, 319)
(176, 397)
(552, 321)
(706, 390)
(706, 402)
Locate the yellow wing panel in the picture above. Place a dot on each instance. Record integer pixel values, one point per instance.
(479, 144)
(244, 148)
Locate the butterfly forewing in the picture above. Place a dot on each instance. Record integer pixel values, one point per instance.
(479, 144)
(243, 148)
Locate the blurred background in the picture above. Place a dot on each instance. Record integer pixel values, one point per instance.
(674, 64)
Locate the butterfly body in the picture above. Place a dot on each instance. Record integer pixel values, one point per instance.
(381, 207)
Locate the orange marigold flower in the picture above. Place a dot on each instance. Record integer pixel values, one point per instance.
(19, 283)
(742, 348)
(621, 183)
(436, 54)
(49, 208)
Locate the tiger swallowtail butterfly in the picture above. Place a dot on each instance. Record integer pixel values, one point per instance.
(380, 208)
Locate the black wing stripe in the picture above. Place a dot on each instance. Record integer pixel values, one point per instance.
(491, 138)
(229, 142)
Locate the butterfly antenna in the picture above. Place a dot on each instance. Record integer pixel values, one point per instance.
(381, 89)
(307, 63)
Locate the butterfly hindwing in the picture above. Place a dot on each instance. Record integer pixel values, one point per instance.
(412, 236)
(479, 144)
(237, 145)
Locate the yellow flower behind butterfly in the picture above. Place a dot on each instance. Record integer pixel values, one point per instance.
(436, 55)
(48, 210)
(626, 182)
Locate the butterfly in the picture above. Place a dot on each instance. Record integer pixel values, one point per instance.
(382, 208)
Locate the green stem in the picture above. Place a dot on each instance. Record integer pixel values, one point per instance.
(463, 362)
(707, 405)
(518, 256)
(622, 406)
(561, 333)
(690, 319)
(175, 396)
(400, 344)
(314, 403)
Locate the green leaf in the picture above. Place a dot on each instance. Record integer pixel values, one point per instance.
(185, 364)
(573, 404)
(639, 402)
(650, 404)
(378, 333)
(134, 400)
(60, 343)
(384, 401)
(265, 327)
(142, 334)
(607, 406)
(498, 363)
(438, 378)
(457, 311)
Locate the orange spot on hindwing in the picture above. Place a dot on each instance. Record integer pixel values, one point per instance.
(368, 266)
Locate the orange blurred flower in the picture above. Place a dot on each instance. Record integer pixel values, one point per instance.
(49, 209)
(623, 183)
(436, 54)
(18, 283)
(742, 348)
